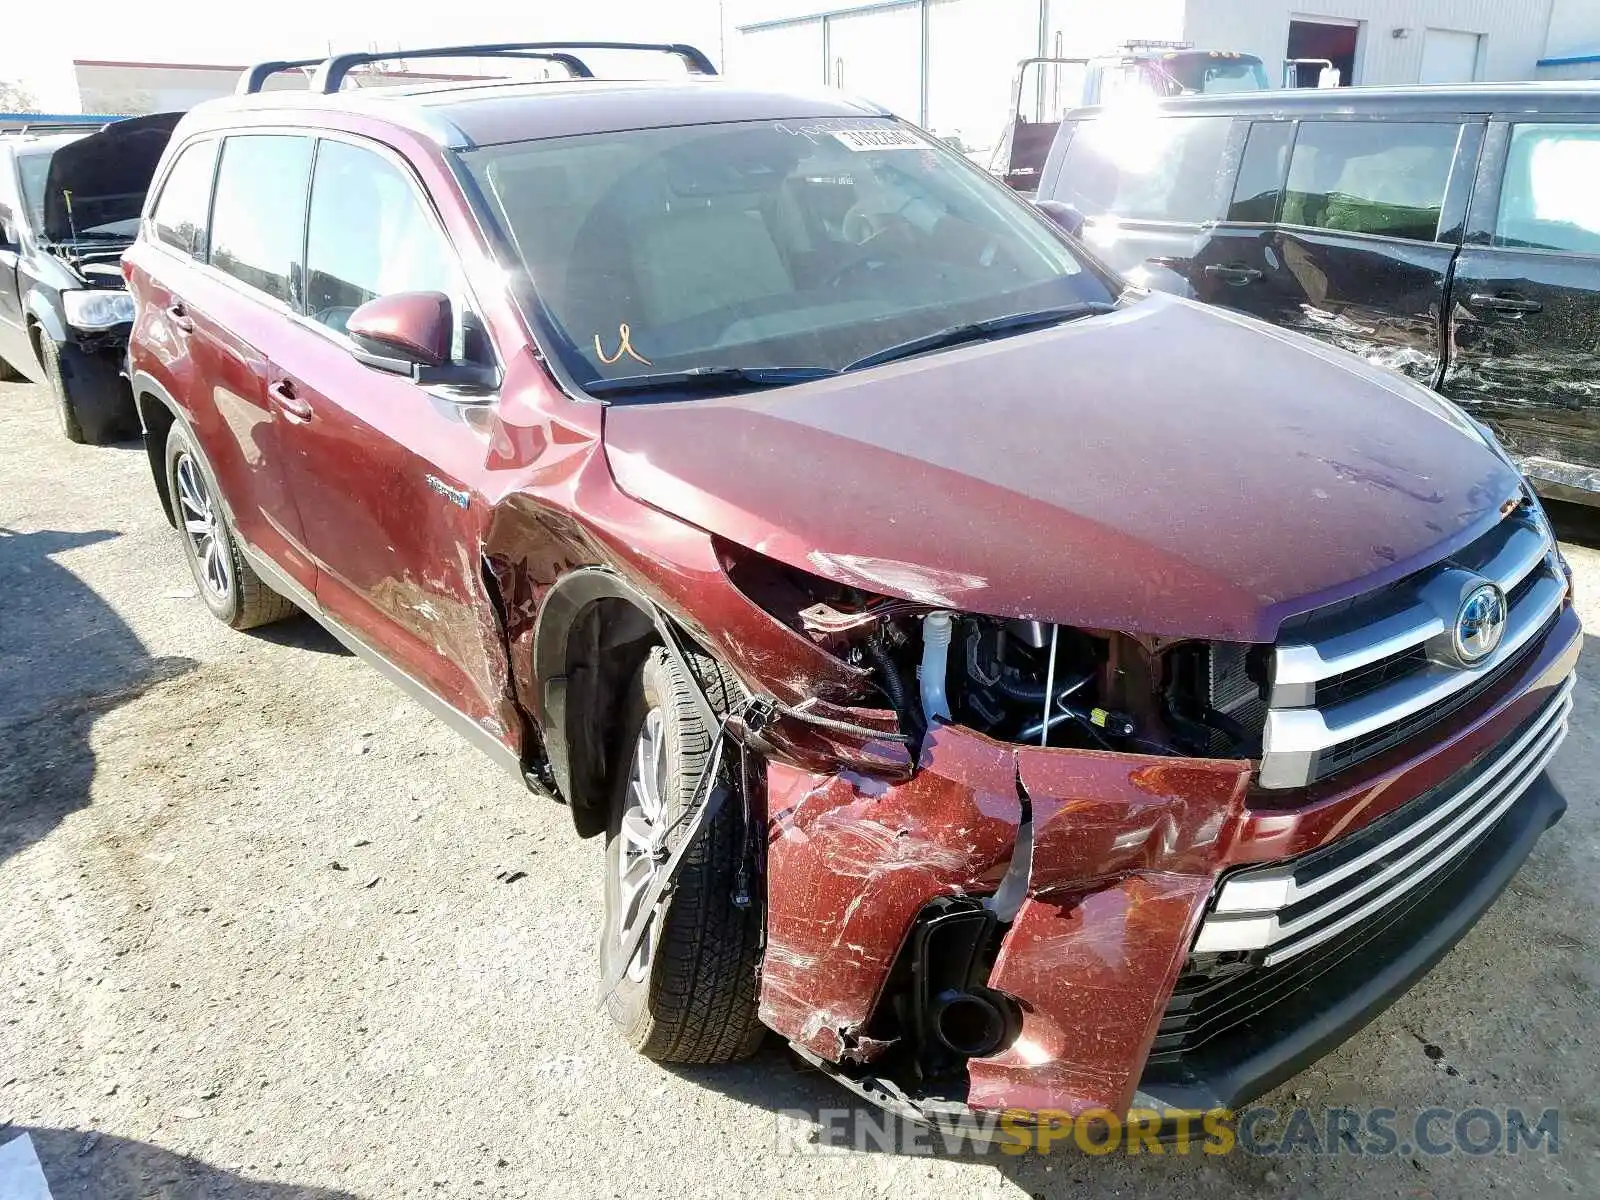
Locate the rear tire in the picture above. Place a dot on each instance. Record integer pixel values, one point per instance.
(227, 583)
(93, 406)
(690, 993)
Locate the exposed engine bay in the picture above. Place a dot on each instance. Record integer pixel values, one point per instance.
(1029, 682)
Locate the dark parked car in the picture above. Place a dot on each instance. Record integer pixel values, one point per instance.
(69, 207)
(1448, 233)
(1008, 686)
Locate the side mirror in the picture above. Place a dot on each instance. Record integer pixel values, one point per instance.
(1063, 214)
(401, 332)
(410, 333)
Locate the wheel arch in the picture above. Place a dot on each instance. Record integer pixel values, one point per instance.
(158, 411)
(593, 632)
(43, 320)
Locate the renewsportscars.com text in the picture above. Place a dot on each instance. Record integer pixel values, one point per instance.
(1259, 1131)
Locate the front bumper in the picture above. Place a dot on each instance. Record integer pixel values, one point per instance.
(1127, 853)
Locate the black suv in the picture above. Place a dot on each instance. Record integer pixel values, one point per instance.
(69, 207)
(1449, 233)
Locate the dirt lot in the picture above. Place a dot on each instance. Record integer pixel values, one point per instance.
(260, 936)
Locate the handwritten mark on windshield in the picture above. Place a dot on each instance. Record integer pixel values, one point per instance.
(624, 346)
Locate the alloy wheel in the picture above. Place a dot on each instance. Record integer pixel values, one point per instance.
(641, 843)
(203, 527)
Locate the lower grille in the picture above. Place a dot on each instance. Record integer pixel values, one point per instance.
(1230, 1005)
(1287, 908)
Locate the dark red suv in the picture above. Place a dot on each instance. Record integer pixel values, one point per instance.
(1016, 689)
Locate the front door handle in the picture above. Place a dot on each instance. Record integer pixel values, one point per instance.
(179, 316)
(1235, 275)
(292, 406)
(1505, 303)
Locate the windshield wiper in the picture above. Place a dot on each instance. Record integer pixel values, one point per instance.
(979, 331)
(707, 379)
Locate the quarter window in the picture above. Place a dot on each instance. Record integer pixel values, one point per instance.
(1550, 199)
(179, 218)
(1378, 177)
(1260, 183)
(371, 236)
(259, 214)
(1143, 166)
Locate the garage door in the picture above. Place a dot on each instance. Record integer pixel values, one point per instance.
(1449, 56)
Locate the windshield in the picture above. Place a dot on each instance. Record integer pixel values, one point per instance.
(772, 244)
(1213, 71)
(33, 168)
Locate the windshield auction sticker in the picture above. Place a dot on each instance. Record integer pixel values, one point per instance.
(878, 139)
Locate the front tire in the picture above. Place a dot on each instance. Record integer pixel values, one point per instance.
(227, 583)
(690, 993)
(92, 405)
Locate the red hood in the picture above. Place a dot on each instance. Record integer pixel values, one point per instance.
(1170, 469)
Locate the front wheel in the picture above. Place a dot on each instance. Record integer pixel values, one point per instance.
(92, 403)
(227, 583)
(689, 993)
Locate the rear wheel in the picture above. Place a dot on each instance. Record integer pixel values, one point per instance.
(689, 992)
(230, 587)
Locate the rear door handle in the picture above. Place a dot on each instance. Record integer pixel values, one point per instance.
(179, 316)
(1505, 304)
(1233, 275)
(296, 409)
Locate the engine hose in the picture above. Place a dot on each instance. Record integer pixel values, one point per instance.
(893, 686)
(1015, 689)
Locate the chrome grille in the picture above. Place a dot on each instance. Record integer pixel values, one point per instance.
(1354, 680)
(1290, 907)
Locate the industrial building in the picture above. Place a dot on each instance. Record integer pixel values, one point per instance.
(949, 64)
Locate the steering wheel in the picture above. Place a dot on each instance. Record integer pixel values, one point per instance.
(868, 256)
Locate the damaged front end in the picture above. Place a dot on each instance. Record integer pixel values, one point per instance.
(999, 927)
(1025, 919)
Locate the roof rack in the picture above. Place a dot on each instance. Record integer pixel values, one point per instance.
(331, 72)
(255, 78)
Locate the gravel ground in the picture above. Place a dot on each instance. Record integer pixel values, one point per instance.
(260, 935)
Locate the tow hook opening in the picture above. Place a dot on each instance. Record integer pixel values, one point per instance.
(971, 1024)
(940, 1004)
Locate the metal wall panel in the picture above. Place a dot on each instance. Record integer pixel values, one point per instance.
(1514, 31)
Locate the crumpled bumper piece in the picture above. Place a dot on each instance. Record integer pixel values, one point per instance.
(852, 860)
(1091, 971)
(1126, 849)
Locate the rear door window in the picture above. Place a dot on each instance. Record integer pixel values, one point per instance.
(181, 211)
(1377, 177)
(1550, 199)
(1142, 166)
(258, 219)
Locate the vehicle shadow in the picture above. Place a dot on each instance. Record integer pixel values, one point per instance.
(83, 1165)
(1578, 523)
(302, 633)
(65, 658)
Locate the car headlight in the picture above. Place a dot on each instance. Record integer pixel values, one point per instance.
(88, 308)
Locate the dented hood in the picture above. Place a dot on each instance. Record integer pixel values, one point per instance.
(106, 173)
(1168, 469)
